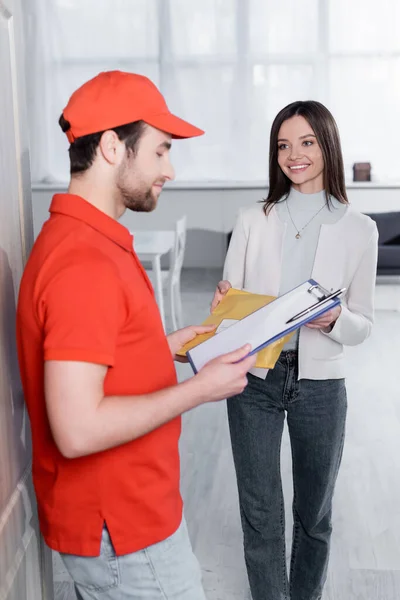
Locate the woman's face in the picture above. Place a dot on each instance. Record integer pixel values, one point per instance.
(300, 156)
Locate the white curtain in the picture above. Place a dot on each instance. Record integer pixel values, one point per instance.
(228, 66)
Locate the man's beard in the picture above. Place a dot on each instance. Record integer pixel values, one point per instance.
(139, 199)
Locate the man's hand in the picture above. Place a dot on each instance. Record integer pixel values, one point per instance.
(178, 339)
(226, 375)
(222, 289)
(326, 321)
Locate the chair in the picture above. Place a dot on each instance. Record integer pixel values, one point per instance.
(171, 278)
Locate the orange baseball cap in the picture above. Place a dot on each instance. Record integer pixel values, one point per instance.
(115, 98)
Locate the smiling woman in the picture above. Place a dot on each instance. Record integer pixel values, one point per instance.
(305, 143)
(274, 248)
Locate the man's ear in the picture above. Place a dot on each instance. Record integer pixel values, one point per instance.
(111, 147)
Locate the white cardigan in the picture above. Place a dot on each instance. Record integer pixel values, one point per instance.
(346, 256)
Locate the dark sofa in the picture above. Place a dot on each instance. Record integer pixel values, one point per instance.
(389, 242)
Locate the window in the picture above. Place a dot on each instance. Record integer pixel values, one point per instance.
(228, 66)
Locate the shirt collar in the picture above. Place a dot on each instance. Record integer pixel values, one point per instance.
(78, 208)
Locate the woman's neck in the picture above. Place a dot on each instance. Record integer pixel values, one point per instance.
(309, 187)
(310, 201)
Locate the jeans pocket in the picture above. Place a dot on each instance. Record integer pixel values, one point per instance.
(96, 573)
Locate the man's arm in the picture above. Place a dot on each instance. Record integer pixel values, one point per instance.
(82, 309)
(83, 421)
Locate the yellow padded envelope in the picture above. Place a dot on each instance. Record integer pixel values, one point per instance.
(236, 305)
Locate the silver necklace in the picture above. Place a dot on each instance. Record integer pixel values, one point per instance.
(298, 234)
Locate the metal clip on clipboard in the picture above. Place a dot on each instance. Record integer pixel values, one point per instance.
(323, 297)
(323, 291)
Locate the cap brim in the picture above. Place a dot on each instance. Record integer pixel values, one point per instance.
(178, 128)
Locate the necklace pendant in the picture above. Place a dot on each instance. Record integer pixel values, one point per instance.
(298, 236)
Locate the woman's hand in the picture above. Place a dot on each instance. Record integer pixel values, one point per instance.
(178, 339)
(222, 289)
(326, 321)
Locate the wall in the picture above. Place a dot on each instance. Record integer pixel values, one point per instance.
(212, 210)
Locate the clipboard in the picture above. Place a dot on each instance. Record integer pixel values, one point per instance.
(267, 324)
(234, 306)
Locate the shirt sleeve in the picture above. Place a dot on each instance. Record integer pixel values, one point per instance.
(355, 320)
(234, 267)
(82, 311)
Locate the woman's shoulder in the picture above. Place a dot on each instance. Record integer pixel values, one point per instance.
(361, 221)
(254, 213)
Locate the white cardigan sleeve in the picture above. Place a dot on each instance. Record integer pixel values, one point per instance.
(234, 268)
(355, 320)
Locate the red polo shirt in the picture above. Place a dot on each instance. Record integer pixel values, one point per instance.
(84, 296)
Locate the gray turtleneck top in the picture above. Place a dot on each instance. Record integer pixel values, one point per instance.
(298, 254)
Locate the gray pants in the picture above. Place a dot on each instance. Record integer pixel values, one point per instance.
(316, 415)
(165, 571)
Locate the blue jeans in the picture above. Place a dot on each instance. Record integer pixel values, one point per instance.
(164, 571)
(316, 416)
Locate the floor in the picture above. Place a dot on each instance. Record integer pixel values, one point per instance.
(365, 560)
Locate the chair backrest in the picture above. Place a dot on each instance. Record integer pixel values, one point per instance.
(179, 249)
